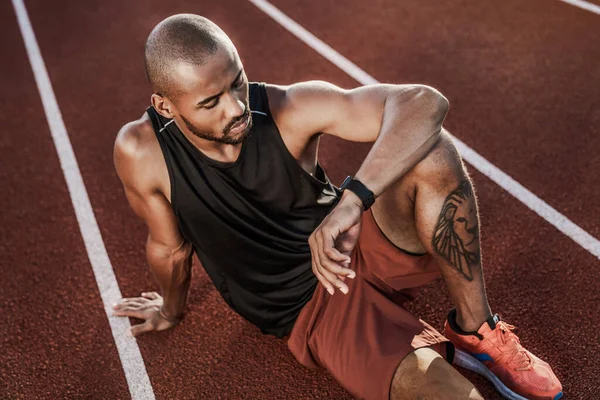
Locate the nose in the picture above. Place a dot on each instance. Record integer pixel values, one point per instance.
(235, 107)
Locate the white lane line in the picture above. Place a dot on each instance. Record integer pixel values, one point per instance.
(525, 196)
(539, 206)
(317, 44)
(583, 5)
(129, 352)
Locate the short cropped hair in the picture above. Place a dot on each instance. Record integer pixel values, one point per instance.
(186, 38)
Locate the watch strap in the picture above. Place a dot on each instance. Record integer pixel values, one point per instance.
(357, 187)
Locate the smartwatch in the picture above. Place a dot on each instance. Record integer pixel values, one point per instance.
(356, 187)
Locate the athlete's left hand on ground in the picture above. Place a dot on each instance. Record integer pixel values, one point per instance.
(332, 242)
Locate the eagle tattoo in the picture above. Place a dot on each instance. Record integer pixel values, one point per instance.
(456, 235)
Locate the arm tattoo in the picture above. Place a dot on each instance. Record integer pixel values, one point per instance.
(456, 235)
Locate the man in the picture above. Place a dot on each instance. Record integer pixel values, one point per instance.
(228, 169)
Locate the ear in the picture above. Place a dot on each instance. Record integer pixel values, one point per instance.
(162, 105)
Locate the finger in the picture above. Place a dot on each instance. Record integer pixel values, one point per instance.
(323, 264)
(131, 300)
(137, 330)
(328, 286)
(338, 282)
(332, 279)
(131, 303)
(151, 295)
(345, 270)
(329, 247)
(328, 268)
(347, 240)
(121, 304)
(129, 313)
(321, 261)
(338, 268)
(336, 265)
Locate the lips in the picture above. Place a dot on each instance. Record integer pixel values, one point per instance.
(240, 125)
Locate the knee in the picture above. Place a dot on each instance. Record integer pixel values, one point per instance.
(424, 374)
(439, 175)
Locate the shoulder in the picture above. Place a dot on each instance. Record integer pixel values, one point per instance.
(135, 138)
(303, 107)
(138, 157)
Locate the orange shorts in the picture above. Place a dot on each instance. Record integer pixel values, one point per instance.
(362, 337)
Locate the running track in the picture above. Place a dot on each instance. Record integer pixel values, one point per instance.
(522, 78)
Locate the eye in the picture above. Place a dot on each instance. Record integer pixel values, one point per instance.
(212, 104)
(238, 84)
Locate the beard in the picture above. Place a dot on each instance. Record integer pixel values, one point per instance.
(225, 139)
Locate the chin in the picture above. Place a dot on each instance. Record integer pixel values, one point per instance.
(234, 140)
(240, 137)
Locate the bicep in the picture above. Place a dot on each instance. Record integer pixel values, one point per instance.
(354, 114)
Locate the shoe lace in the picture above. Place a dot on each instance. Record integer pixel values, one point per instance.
(511, 346)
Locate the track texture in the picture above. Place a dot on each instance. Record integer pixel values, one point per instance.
(522, 80)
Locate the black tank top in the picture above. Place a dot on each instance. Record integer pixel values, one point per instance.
(249, 221)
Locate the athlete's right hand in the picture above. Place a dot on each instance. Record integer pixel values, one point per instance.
(148, 307)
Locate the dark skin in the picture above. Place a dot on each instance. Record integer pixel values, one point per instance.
(206, 109)
(404, 121)
(456, 236)
(211, 111)
(410, 168)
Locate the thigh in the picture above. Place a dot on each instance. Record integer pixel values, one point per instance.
(361, 337)
(362, 344)
(424, 374)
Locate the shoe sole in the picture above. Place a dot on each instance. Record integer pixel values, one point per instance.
(467, 361)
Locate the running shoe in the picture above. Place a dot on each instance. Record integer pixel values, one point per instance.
(495, 352)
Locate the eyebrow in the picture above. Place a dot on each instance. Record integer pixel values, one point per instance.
(209, 99)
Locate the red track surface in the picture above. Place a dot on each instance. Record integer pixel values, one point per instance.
(522, 79)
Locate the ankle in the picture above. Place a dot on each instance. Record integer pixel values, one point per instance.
(471, 322)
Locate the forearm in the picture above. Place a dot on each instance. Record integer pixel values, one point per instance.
(172, 269)
(410, 127)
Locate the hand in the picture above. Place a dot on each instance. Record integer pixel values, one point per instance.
(147, 307)
(332, 242)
